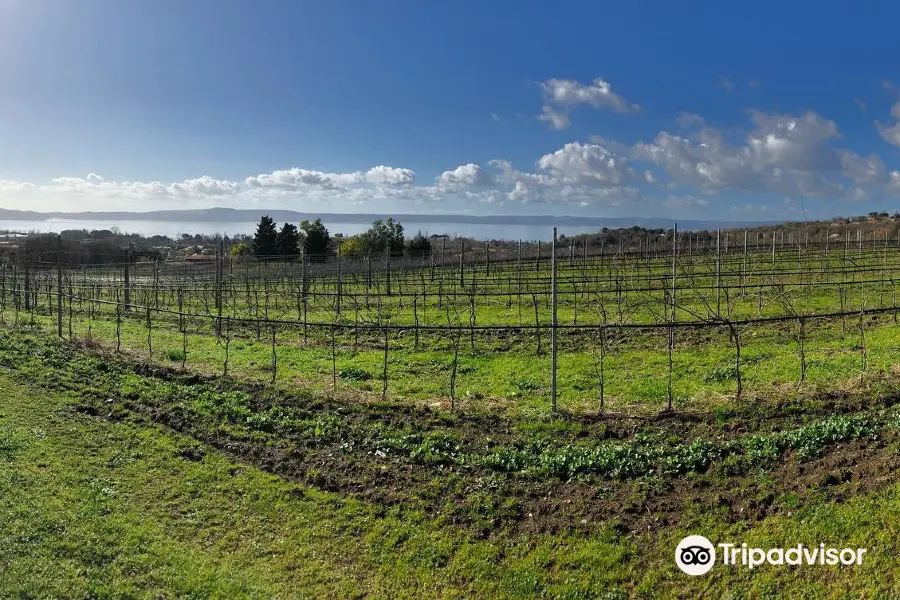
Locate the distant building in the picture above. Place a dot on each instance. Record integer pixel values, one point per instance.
(200, 258)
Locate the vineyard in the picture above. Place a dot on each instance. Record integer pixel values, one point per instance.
(487, 420)
(568, 327)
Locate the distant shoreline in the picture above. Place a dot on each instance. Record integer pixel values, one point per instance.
(223, 215)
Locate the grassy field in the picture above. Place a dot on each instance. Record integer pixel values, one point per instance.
(404, 446)
(482, 336)
(122, 480)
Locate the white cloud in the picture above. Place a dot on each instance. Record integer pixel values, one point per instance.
(295, 178)
(464, 175)
(599, 94)
(520, 193)
(687, 120)
(390, 176)
(562, 95)
(860, 169)
(574, 173)
(7, 186)
(783, 153)
(298, 179)
(556, 119)
(577, 163)
(94, 184)
(509, 175)
(894, 180)
(205, 186)
(686, 201)
(859, 195)
(891, 131)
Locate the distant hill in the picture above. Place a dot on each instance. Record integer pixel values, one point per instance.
(231, 215)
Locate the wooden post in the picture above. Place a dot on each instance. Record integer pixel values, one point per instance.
(744, 267)
(156, 278)
(128, 279)
(584, 259)
(553, 324)
(304, 286)
(219, 274)
(718, 275)
(222, 258)
(462, 251)
(671, 396)
(27, 276)
(339, 286)
(519, 277)
(773, 253)
(59, 298)
(387, 266)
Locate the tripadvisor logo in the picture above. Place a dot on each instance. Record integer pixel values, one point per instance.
(696, 555)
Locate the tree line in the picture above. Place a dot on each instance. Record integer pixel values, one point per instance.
(83, 247)
(314, 240)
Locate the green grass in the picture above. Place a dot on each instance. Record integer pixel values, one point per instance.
(91, 507)
(115, 505)
(510, 375)
(505, 369)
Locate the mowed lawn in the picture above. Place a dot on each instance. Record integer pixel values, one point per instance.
(91, 508)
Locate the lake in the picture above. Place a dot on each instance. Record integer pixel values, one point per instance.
(174, 229)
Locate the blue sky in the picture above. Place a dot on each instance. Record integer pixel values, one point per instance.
(684, 110)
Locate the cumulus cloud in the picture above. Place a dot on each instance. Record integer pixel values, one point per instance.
(390, 176)
(298, 179)
(783, 153)
(295, 178)
(599, 94)
(95, 184)
(16, 186)
(94, 192)
(861, 169)
(695, 164)
(562, 95)
(205, 186)
(574, 173)
(577, 163)
(509, 175)
(556, 118)
(464, 175)
(891, 131)
(520, 193)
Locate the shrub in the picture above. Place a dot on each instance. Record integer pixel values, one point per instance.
(355, 373)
